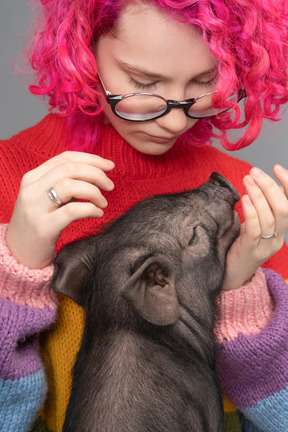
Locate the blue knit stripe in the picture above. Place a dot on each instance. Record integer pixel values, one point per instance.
(267, 415)
(20, 401)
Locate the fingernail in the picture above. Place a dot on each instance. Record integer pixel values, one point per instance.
(103, 202)
(256, 172)
(279, 168)
(109, 163)
(110, 183)
(250, 180)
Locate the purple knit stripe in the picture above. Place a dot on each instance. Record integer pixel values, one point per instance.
(252, 368)
(19, 353)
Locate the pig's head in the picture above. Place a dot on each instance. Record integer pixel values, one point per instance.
(162, 259)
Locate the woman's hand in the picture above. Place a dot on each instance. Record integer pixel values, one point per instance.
(265, 209)
(37, 223)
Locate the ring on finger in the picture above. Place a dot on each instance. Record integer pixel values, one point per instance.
(266, 237)
(54, 197)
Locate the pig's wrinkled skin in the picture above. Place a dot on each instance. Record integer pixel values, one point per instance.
(148, 284)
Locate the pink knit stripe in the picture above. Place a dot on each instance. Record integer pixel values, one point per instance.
(246, 310)
(21, 285)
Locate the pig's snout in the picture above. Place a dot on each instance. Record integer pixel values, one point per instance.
(218, 180)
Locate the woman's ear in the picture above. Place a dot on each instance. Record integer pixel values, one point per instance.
(152, 292)
(73, 265)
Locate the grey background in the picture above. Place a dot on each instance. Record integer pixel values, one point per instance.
(19, 109)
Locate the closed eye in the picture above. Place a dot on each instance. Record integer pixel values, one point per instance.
(207, 79)
(209, 83)
(194, 238)
(140, 85)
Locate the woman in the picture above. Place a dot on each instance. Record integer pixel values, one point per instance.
(184, 65)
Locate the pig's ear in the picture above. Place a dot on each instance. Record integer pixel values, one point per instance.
(151, 290)
(72, 268)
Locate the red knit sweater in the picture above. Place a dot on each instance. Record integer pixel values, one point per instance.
(135, 176)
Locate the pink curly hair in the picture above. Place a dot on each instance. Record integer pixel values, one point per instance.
(248, 38)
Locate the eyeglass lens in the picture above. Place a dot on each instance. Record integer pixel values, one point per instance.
(141, 106)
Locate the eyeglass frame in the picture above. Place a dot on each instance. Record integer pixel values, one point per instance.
(113, 100)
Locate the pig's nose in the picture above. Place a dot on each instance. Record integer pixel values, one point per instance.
(219, 181)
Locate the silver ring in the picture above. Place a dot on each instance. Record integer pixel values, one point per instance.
(54, 197)
(265, 237)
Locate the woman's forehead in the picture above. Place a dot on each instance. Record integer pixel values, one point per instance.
(149, 39)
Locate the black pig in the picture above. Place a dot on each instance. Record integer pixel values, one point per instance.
(148, 284)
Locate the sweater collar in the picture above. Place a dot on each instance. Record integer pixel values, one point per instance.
(51, 136)
(133, 163)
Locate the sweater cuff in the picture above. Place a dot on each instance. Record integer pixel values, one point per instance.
(246, 310)
(22, 285)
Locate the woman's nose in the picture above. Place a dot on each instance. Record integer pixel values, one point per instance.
(176, 122)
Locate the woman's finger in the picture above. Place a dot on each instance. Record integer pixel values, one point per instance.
(270, 188)
(252, 226)
(282, 175)
(69, 189)
(79, 171)
(276, 200)
(264, 212)
(74, 211)
(66, 157)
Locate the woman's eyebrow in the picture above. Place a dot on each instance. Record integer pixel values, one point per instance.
(142, 71)
(153, 75)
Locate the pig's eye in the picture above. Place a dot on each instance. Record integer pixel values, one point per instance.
(194, 238)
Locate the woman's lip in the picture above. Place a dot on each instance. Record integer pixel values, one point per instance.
(160, 140)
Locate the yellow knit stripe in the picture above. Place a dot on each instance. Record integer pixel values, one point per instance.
(228, 405)
(59, 352)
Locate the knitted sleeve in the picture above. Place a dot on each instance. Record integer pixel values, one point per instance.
(27, 306)
(253, 354)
